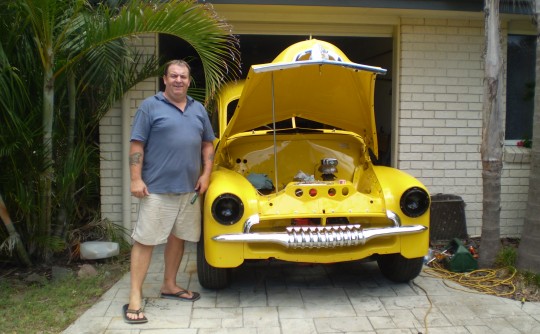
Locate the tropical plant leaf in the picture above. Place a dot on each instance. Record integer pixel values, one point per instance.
(64, 63)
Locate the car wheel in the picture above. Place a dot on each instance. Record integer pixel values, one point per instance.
(210, 277)
(399, 269)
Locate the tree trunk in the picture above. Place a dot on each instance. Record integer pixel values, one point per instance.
(529, 247)
(47, 175)
(492, 138)
(62, 215)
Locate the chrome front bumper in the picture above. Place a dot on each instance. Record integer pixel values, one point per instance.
(320, 236)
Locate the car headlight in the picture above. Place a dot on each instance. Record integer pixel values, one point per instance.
(227, 209)
(414, 202)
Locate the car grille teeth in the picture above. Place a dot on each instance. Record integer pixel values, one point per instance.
(324, 236)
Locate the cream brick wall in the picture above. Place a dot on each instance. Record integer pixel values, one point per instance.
(514, 188)
(111, 144)
(439, 120)
(110, 140)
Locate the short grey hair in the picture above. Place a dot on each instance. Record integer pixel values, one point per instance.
(178, 62)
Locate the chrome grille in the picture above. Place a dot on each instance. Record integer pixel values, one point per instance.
(324, 236)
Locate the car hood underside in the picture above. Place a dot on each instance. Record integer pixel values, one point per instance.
(326, 89)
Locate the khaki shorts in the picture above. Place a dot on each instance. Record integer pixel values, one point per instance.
(163, 214)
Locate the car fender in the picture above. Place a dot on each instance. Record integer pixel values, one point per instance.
(394, 183)
(226, 181)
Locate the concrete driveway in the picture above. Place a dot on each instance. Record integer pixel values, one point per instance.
(283, 298)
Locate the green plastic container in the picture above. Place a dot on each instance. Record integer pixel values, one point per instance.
(461, 260)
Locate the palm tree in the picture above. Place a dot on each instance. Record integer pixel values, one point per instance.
(68, 51)
(492, 137)
(529, 247)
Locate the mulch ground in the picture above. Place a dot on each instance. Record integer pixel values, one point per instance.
(500, 281)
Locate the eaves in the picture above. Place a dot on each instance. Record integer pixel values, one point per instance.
(506, 6)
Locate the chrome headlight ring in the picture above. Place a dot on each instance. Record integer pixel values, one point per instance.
(414, 202)
(227, 209)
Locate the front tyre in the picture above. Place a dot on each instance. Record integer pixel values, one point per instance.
(210, 277)
(399, 269)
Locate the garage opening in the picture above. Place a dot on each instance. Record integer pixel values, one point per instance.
(259, 49)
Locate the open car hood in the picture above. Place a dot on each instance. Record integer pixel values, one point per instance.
(314, 80)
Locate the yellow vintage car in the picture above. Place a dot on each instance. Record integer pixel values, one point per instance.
(293, 178)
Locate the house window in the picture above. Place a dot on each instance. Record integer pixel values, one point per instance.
(520, 87)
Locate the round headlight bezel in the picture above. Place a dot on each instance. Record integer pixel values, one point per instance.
(227, 202)
(414, 202)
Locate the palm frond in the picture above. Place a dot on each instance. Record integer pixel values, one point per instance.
(197, 24)
(63, 65)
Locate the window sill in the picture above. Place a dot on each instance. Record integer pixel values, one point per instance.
(517, 155)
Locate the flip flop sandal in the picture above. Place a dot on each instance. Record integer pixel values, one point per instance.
(126, 311)
(180, 296)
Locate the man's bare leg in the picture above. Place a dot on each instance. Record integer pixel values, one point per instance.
(174, 252)
(140, 261)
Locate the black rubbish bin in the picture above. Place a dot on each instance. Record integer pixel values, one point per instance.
(447, 216)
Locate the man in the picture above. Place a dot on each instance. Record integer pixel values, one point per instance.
(171, 137)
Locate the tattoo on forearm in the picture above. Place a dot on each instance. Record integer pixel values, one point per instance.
(135, 158)
(211, 157)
